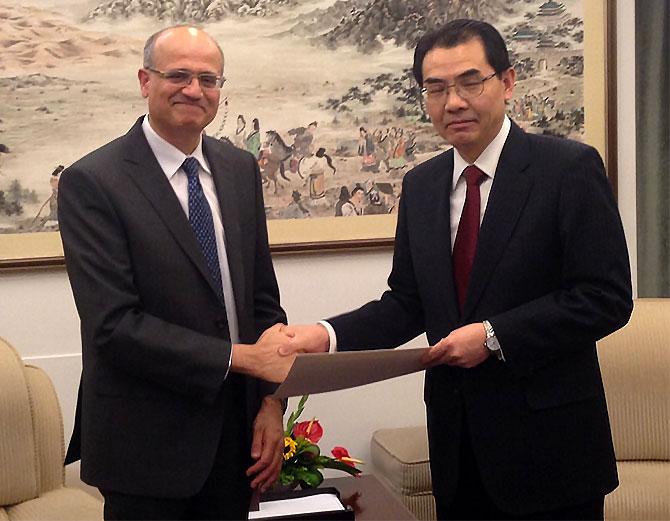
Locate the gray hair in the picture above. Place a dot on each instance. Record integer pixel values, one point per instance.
(150, 44)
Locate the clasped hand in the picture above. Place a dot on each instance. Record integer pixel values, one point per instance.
(463, 347)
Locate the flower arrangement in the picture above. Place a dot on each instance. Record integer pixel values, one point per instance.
(302, 456)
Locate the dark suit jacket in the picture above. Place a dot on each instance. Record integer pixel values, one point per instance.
(551, 274)
(155, 340)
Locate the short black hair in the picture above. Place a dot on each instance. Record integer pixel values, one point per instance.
(460, 31)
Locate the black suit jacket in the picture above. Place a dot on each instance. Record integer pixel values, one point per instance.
(153, 403)
(551, 274)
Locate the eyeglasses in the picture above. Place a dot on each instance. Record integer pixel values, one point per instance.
(466, 88)
(183, 77)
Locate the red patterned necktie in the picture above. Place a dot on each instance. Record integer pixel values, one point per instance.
(465, 244)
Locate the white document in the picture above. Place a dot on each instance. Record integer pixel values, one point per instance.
(324, 372)
(299, 505)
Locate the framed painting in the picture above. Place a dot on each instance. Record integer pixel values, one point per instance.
(321, 93)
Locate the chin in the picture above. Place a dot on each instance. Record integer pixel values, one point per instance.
(192, 122)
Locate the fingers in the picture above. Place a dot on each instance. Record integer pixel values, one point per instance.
(266, 475)
(437, 354)
(463, 347)
(267, 449)
(431, 357)
(306, 339)
(276, 333)
(286, 330)
(257, 444)
(267, 446)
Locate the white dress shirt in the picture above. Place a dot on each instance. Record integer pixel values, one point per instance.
(487, 162)
(170, 159)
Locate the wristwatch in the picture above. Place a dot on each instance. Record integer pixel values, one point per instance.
(491, 343)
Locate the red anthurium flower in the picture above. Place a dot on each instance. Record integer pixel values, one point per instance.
(310, 430)
(342, 454)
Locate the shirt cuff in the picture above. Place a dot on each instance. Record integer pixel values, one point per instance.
(332, 337)
(230, 361)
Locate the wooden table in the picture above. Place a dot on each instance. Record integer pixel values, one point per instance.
(369, 498)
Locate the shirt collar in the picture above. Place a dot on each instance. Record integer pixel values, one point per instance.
(487, 161)
(169, 157)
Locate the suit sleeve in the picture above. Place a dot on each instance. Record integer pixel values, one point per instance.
(114, 322)
(594, 298)
(397, 316)
(267, 307)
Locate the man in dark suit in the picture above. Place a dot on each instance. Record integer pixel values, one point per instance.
(166, 248)
(510, 255)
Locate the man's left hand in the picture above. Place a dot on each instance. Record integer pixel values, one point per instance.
(464, 347)
(267, 446)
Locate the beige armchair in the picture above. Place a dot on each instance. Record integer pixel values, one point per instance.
(635, 364)
(32, 476)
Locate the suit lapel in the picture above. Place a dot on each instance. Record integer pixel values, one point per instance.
(147, 174)
(509, 192)
(224, 170)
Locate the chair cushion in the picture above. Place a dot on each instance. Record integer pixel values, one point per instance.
(48, 427)
(18, 453)
(64, 504)
(401, 456)
(643, 492)
(635, 364)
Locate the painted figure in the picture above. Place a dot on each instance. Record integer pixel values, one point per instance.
(253, 140)
(239, 139)
(366, 149)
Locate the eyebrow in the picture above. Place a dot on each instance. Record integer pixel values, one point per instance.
(467, 74)
(180, 69)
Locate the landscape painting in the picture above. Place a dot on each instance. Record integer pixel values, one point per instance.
(319, 91)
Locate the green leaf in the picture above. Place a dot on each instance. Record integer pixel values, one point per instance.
(286, 476)
(310, 478)
(331, 463)
(304, 445)
(295, 415)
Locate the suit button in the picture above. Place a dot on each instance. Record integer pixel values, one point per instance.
(221, 323)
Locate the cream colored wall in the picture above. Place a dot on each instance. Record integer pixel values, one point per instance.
(37, 313)
(626, 125)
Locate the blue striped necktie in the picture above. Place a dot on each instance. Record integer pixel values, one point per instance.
(200, 218)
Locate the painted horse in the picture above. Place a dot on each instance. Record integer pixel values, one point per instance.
(272, 157)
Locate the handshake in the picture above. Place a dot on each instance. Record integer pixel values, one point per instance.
(272, 356)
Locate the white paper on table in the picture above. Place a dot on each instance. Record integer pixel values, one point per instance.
(324, 372)
(299, 505)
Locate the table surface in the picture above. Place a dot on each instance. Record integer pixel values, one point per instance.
(369, 498)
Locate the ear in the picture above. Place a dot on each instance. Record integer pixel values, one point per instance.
(509, 79)
(143, 76)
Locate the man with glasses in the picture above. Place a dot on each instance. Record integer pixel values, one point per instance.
(166, 248)
(510, 256)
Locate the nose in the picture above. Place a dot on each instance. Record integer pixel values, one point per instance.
(193, 89)
(453, 101)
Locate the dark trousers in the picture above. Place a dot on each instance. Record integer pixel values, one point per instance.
(473, 502)
(226, 493)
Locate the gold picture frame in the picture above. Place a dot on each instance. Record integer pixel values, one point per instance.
(43, 249)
